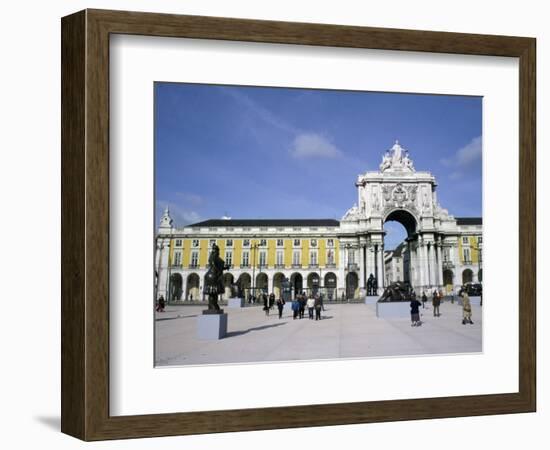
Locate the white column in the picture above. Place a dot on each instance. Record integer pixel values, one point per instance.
(341, 281)
(163, 264)
(457, 275)
(383, 259)
(380, 263)
(426, 265)
(411, 273)
(417, 265)
(370, 261)
(361, 266)
(439, 266)
(433, 264)
(421, 264)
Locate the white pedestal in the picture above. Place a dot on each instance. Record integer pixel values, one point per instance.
(393, 310)
(235, 302)
(371, 299)
(212, 326)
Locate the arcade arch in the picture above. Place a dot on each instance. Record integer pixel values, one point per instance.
(278, 279)
(176, 287)
(192, 291)
(467, 276)
(296, 283)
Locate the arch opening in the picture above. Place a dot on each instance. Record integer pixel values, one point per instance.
(278, 279)
(352, 286)
(296, 283)
(405, 218)
(448, 280)
(400, 229)
(192, 291)
(229, 285)
(330, 286)
(176, 287)
(243, 286)
(313, 283)
(261, 284)
(467, 276)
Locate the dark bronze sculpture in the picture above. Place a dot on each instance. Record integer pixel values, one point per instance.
(398, 291)
(213, 281)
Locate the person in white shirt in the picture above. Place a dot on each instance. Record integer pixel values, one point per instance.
(310, 306)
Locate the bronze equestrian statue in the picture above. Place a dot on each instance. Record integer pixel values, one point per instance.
(213, 280)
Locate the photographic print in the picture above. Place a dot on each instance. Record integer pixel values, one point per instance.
(296, 224)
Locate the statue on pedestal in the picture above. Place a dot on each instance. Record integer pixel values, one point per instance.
(396, 159)
(213, 281)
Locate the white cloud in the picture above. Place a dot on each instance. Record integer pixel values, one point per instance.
(465, 156)
(313, 145)
(260, 112)
(454, 176)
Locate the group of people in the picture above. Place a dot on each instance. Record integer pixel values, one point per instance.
(437, 296)
(269, 301)
(313, 303)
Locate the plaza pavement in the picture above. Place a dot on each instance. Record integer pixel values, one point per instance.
(346, 331)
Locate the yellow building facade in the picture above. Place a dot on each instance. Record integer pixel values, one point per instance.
(260, 256)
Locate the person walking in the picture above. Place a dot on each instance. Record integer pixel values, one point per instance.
(271, 300)
(295, 308)
(424, 299)
(318, 304)
(310, 305)
(415, 314)
(266, 305)
(436, 301)
(280, 306)
(466, 309)
(302, 303)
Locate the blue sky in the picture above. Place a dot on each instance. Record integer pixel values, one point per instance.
(256, 152)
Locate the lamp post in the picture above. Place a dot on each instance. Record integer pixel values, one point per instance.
(254, 247)
(479, 257)
(320, 272)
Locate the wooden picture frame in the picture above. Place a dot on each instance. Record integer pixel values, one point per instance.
(85, 224)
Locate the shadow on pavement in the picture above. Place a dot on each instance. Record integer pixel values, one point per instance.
(263, 327)
(160, 319)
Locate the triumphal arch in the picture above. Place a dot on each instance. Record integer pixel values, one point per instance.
(398, 192)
